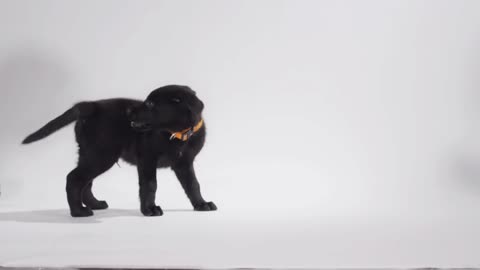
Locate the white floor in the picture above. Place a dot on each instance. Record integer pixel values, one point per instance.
(264, 221)
(181, 238)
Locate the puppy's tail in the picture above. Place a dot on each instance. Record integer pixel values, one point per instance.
(81, 109)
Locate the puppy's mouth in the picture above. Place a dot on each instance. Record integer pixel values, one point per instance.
(140, 126)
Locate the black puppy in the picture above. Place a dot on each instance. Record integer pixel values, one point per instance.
(166, 130)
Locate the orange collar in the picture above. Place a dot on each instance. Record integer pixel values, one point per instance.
(185, 134)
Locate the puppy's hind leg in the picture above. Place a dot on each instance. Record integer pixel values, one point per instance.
(77, 180)
(79, 183)
(90, 201)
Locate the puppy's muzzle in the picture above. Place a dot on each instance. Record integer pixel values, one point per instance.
(140, 125)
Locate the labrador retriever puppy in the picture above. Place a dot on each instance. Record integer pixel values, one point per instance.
(165, 130)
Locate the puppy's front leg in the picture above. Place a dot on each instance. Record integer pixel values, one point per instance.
(186, 175)
(147, 176)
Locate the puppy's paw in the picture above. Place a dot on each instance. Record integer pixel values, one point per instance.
(151, 211)
(81, 212)
(99, 205)
(205, 206)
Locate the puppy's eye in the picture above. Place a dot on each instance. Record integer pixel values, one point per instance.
(176, 100)
(149, 104)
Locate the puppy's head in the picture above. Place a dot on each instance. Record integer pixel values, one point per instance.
(171, 107)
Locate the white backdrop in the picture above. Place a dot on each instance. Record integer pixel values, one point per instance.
(340, 133)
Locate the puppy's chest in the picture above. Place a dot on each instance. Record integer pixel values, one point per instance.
(168, 155)
(167, 158)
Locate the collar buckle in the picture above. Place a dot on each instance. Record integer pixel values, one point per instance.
(187, 135)
(184, 136)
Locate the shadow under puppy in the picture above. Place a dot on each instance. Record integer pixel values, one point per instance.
(166, 130)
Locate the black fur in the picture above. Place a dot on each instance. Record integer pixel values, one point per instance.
(139, 133)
